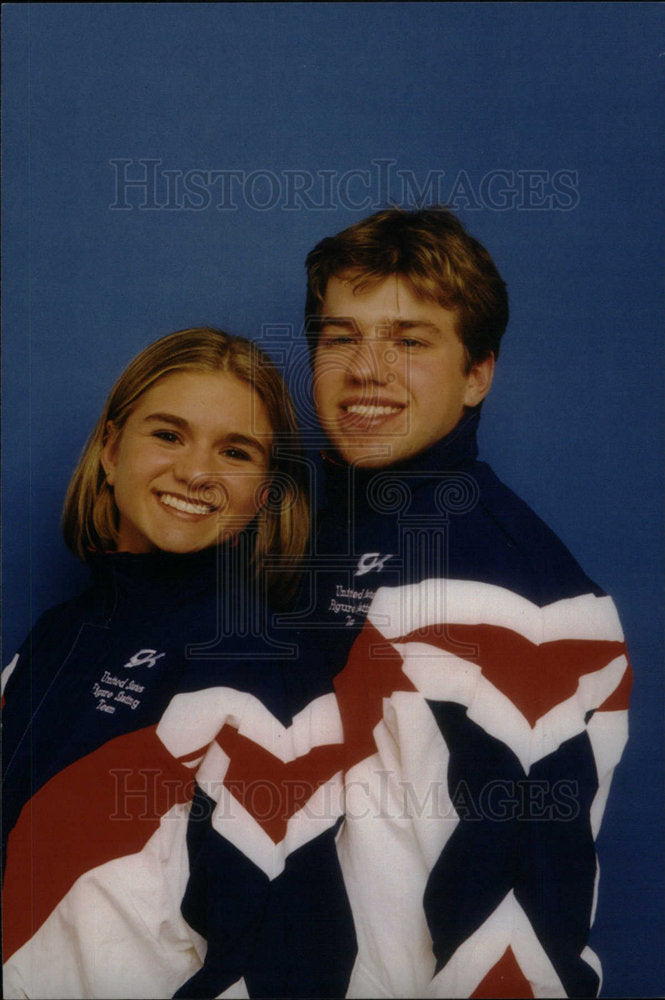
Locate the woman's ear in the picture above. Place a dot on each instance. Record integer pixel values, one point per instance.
(109, 454)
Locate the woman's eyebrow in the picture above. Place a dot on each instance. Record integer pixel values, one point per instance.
(249, 442)
(182, 424)
(166, 418)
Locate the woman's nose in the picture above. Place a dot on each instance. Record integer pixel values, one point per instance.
(193, 466)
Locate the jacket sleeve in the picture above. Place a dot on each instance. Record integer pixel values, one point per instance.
(18, 691)
(118, 931)
(26, 680)
(501, 735)
(96, 870)
(101, 844)
(521, 865)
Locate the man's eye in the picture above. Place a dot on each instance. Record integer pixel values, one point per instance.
(169, 436)
(340, 341)
(238, 454)
(408, 342)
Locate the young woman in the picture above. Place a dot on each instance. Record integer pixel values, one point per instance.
(187, 503)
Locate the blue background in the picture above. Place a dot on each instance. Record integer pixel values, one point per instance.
(574, 422)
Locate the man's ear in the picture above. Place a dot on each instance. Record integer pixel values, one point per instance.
(479, 381)
(109, 455)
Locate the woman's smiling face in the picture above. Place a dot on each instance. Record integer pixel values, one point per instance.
(190, 465)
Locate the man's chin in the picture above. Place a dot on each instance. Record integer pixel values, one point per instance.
(366, 455)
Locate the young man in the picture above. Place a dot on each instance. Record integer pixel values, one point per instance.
(481, 677)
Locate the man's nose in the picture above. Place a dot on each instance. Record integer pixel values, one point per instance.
(371, 362)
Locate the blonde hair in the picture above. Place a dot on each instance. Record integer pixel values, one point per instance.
(90, 515)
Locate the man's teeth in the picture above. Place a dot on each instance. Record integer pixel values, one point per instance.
(365, 410)
(184, 505)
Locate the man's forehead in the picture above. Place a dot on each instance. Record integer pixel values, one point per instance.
(362, 285)
(385, 301)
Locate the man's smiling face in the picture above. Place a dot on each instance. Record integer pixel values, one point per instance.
(390, 371)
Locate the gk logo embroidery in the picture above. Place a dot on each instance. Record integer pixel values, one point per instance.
(371, 561)
(144, 658)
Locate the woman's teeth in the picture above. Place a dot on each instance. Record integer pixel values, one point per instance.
(186, 506)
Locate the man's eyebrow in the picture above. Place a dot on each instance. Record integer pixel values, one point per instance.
(413, 324)
(386, 325)
(338, 321)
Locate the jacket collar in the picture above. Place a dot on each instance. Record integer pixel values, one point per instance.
(456, 450)
(162, 579)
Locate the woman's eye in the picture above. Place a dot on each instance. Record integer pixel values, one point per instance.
(408, 342)
(169, 436)
(237, 453)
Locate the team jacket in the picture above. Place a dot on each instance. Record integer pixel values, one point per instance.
(123, 711)
(483, 693)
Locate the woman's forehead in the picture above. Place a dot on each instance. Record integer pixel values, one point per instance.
(206, 398)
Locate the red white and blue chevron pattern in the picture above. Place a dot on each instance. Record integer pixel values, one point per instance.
(469, 743)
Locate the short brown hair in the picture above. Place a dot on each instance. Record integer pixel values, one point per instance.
(430, 249)
(90, 514)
